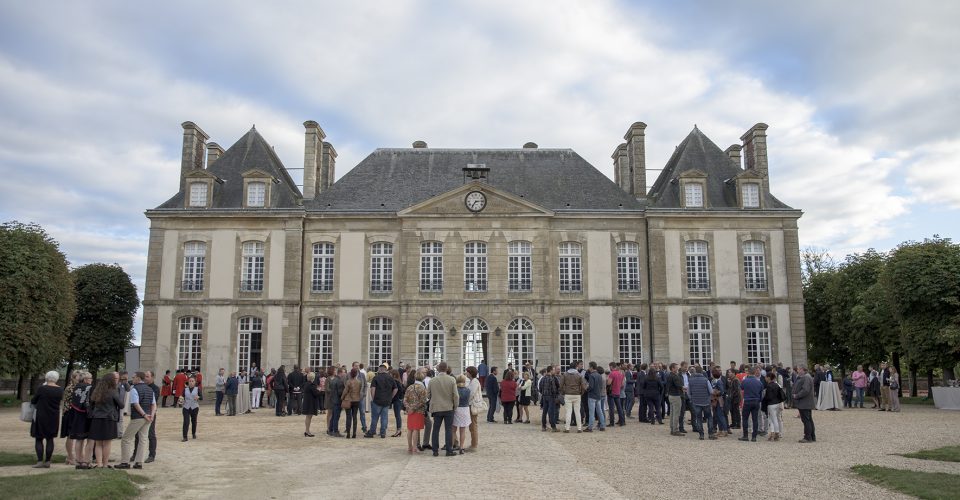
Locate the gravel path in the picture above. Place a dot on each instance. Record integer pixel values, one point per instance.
(262, 456)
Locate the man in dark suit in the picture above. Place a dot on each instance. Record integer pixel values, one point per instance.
(493, 393)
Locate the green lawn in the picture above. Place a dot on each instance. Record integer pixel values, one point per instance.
(8, 459)
(927, 485)
(73, 484)
(906, 400)
(945, 454)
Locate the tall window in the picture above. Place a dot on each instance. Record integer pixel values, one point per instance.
(754, 268)
(628, 267)
(430, 342)
(758, 339)
(631, 340)
(194, 257)
(570, 267)
(256, 194)
(698, 271)
(519, 253)
(431, 266)
(751, 195)
(321, 342)
(381, 267)
(475, 266)
(693, 194)
(520, 342)
(250, 333)
(323, 267)
(571, 340)
(198, 194)
(251, 275)
(190, 342)
(701, 339)
(380, 341)
(473, 330)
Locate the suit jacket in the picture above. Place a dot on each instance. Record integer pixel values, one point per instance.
(492, 387)
(443, 393)
(803, 398)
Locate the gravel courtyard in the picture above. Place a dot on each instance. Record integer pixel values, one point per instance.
(262, 456)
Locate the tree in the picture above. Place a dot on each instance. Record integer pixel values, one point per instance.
(861, 312)
(37, 301)
(106, 304)
(814, 261)
(822, 343)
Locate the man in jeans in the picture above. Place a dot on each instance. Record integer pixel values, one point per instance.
(616, 387)
(142, 404)
(572, 386)
(595, 390)
(700, 391)
(220, 385)
(752, 394)
(383, 389)
(674, 390)
(549, 395)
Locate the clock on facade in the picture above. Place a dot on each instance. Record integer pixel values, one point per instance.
(475, 201)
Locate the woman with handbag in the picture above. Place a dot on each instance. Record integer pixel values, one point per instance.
(80, 426)
(104, 414)
(415, 403)
(46, 418)
(894, 389)
(66, 418)
(478, 405)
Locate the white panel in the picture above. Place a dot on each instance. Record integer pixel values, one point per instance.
(726, 262)
(676, 330)
(274, 337)
(277, 259)
(673, 260)
(777, 265)
(222, 265)
(350, 278)
(348, 335)
(727, 333)
(168, 264)
(166, 353)
(219, 330)
(784, 335)
(599, 266)
(601, 334)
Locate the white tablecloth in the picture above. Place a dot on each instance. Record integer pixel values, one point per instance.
(243, 399)
(946, 398)
(829, 397)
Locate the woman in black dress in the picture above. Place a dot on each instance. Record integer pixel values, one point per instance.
(66, 420)
(81, 424)
(311, 402)
(104, 414)
(46, 421)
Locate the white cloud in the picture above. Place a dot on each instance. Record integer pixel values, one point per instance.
(932, 174)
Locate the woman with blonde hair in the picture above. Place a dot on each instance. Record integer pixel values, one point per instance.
(461, 416)
(894, 380)
(525, 390)
(311, 402)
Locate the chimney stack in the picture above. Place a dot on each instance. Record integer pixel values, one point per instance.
(328, 169)
(621, 168)
(214, 152)
(530, 145)
(313, 138)
(194, 142)
(734, 153)
(419, 145)
(755, 148)
(638, 164)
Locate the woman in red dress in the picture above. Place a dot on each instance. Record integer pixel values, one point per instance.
(167, 389)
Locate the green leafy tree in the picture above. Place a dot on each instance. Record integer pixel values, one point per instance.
(823, 345)
(37, 301)
(861, 310)
(106, 305)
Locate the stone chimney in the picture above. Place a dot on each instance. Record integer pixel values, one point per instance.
(734, 153)
(328, 167)
(530, 145)
(419, 144)
(636, 153)
(194, 142)
(214, 152)
(621, 168)
(755, 148)
(313, 139)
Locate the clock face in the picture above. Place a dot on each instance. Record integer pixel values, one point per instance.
(475, 201)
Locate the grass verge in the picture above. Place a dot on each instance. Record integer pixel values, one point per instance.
(927, 485)
(7, 459)
(945, 454)
(74, 484)
(916, 401)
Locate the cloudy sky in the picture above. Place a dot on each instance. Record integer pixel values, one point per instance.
(861, 97)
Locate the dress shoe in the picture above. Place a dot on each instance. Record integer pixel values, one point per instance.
(451, 453)
(149, 460)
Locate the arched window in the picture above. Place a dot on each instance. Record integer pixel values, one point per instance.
(430, 342)
(631, 339)
(189, 343)
(381, 267)
(251, 272)
(475, 266)
(628, 266)
(758, 340)
(473, 330)
(698, 270)
(571, 340)
(520, 342)
(701, 339)
(431, 266)
(754, 267)
(194, 261)
(249, 342)
(323, 254)
(380, 341)
(321, 342)
(519, 256)
(570, 279)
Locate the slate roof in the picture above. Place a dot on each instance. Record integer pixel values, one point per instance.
(556, 179)
(251, 152)
(698, 152)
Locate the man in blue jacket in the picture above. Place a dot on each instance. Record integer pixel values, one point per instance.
(492, 387)
(595, 395)
(231, 389)
(700, 391)
(752, 395)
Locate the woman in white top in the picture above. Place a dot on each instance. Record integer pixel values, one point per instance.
(526, 392)
(191, 407)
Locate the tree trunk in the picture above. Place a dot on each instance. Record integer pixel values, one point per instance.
(896, 364)
(20, 387)
(913, 381)
(30, 383)
(929, 383)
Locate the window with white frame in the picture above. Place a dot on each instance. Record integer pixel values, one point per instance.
(519, 265)
(758, 340)
(431, 345)
(628, 266)
(700, 334)
(473, 331)
(475, 266)
(431, 266)
(631, 339)
(571, 340)
(750, 192)
(380, 344)
(381, 267)
(570, 280)
(320, 348)
(198, 194)
(693, 194)
(194, 260)
(520, 342)
(256, 194)
(189, 343)
(698, 269)
(251, 272)
(754, 267)
(323, 254)
(250, 332)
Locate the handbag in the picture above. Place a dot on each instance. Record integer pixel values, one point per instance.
(28, 411)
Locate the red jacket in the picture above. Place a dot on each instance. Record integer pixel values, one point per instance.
(508, 391)
(166, 390)
(179, 381)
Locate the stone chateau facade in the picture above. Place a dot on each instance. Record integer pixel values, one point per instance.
(420, 254)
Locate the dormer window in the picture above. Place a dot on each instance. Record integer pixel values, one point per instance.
(256, 194)
(256, 188)
(693, 195)
(198, 194)
(750, 193)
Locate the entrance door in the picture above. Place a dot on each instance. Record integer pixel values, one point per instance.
(474, 330)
